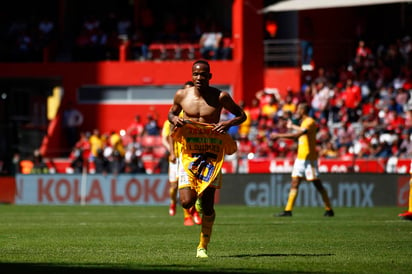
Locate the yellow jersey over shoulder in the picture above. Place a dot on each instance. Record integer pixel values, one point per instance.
(166, 128)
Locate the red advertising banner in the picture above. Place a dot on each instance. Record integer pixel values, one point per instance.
(325, 166)
(7, 190)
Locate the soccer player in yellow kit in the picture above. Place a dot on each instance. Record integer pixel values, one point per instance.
(202, 104)
(174, 150)
(191, 216)
(306, 163)
(407, 215)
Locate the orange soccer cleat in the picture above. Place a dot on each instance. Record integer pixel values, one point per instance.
(407, 215)
(188, 221)
(197, 218)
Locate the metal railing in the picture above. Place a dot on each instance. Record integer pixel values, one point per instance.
(282, 52)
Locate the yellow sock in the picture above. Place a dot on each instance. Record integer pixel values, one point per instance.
(207, 224)
(293, 193)
(410, 195)
(325, 199)
(186, 213)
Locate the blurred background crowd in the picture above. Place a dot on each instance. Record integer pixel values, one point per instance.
(363, 107)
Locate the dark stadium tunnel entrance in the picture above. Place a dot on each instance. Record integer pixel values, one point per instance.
(24, 110)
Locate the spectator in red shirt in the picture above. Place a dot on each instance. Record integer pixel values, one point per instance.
(136, 127)
(83, 145)
(352, 98)
(370, 118)
(244, 147)
(362, 145)
(362, 53)
(262, 149)
(255, 112)
(346, 154)
(282, 147)
(394, 120)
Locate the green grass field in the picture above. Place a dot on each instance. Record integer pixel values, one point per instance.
(130, 239)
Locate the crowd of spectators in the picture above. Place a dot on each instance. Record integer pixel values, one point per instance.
(363, 109)
(124, 151)
(99, 37)
(136, 150)
(25, 39)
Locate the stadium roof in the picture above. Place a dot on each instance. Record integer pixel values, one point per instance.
(294, 5)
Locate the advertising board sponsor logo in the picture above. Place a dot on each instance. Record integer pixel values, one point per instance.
(49, 189)
(276, 191)
(403, 191)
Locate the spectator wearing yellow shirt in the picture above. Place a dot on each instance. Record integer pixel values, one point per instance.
(96, 143)
(116, 143)
(270, 110)
(244, 128)
(289, 105)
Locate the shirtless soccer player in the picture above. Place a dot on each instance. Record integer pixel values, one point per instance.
(204, 142)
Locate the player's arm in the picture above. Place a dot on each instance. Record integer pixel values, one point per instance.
(292, 126)
(165, 141)
(296, 133)
(175, 110)
(228, 103)
(172, 152)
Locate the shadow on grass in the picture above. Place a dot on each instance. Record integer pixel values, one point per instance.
(279, 255)
(14, 268)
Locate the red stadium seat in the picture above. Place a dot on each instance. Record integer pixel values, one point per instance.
(164, 51)
(189, 51)
(151, 141)
(171, 51)
(157, 51)
(159, 151)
